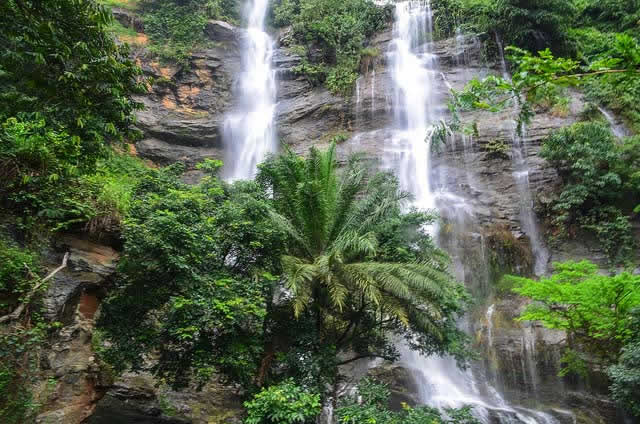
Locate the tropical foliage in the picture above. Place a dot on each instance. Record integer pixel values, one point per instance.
(354, 270)
(284, 403)
(175, 27)
(600, 185)
(80, 59)
(625, 375)
(193, 276)
(528, 25)
(48, 141)
(354, 264)
(593, 309)
(330, 35)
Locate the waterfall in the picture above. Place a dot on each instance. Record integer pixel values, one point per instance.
(489, 317)
(413, 78)
(521, 175)
(418, 107)
(618, 128)
(249, 130)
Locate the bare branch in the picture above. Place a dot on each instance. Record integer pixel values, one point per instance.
(18, 311)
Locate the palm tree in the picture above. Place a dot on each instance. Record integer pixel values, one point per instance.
(355, 258)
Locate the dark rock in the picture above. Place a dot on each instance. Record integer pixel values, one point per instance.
(164, 153)
(73, 298)
(139, 398)
(89, 266)
(400, 382)
(220, 31)
(128, 19)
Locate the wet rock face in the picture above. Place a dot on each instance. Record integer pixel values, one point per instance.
(400, 383)
(305, 114)
(184, 113)
(137, 398)
(73, 380)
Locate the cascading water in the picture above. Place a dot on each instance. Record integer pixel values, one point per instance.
(249, 130)
(413, 73)
(417, 109)
(521, 176)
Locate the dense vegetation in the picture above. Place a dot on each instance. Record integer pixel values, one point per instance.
(65, 98)
(330, 36)
(599, 314)
(272, 284)
(354, 271)
(176, 27)
(600, 185)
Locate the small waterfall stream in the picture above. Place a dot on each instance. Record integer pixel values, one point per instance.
(521, 175)
(249, 130)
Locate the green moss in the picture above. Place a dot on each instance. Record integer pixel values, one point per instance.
(508, 255)
(497, 149)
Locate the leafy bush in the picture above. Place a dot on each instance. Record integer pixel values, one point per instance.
(336, 31)
(14, 277)
(617, 91)
(21, 338)
(341, 78)
(224, 10)
(198, 255)
(47, 177)
(610, 15)
(625, 375)
(79, 59)
(175, 27)
(593, 309)
(284, 403)
(49, 141)
(600, 182)
(529, 25)
(466, 16)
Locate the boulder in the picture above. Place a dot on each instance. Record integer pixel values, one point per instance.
(220, 31)
(128, 19)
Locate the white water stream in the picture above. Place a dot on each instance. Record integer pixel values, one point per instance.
(249, 130)
(417, 109)
(521, 175)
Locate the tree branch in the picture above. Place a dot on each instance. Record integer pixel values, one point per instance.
(18, 311)
(355, 358)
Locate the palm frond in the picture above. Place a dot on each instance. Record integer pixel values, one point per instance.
(285, 225)
(351, 184)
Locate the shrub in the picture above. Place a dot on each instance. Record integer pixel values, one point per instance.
(625, 375)
(600, 184)
(175, 27)
(200, 255)
(593, 309)
(284, 403)
(21, 338)
(336, 31)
